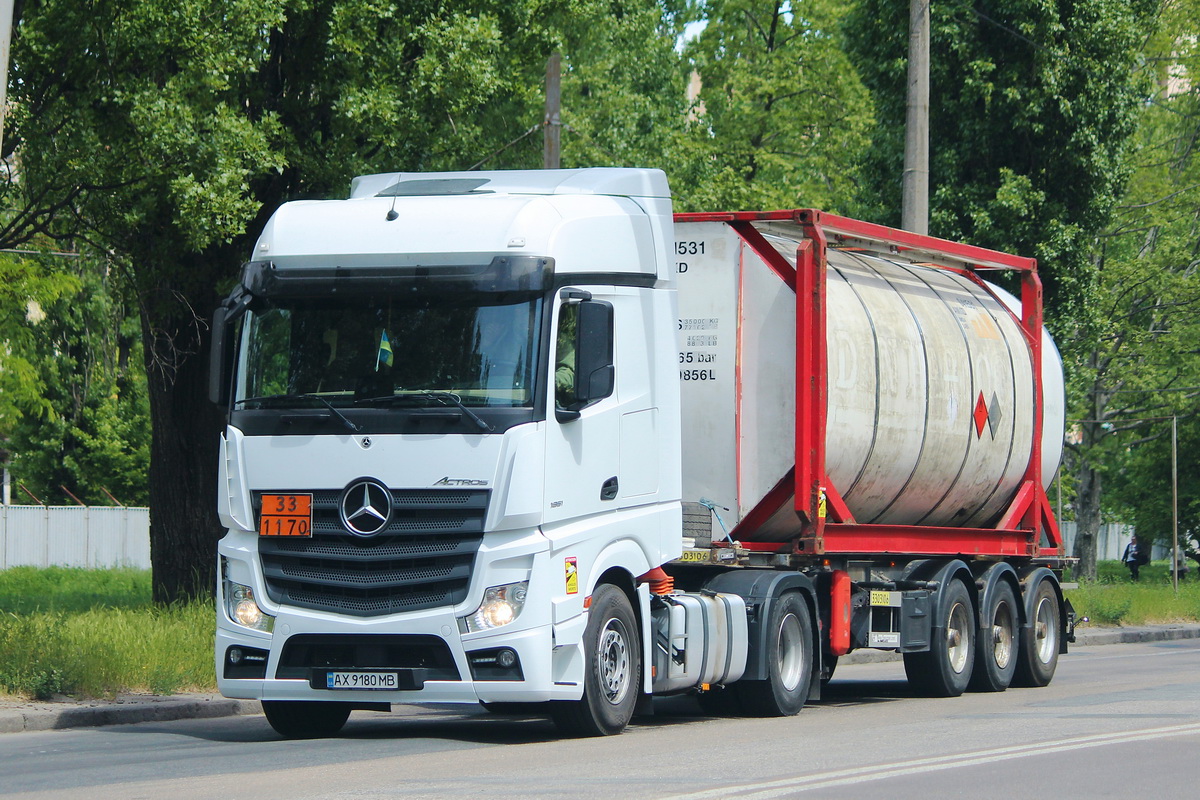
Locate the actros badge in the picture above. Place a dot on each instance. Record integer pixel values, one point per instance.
(366, 507)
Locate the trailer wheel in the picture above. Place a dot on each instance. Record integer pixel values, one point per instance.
(789, 659)
(302, 719)
(612, 645)
(945, 669)
(1038, 656)
(997, 644)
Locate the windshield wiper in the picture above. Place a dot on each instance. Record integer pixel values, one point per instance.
(445, 398)
(275, 398)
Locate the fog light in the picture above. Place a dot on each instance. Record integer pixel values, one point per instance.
(243, 609)
(500, 606)
(506, 658)
(235, 655)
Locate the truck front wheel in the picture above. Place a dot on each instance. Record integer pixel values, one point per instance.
(945, 669)
(301, 719)
(612, 682)
(789, 661)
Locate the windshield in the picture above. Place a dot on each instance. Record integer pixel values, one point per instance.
(470, 348)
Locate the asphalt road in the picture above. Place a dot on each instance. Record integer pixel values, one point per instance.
(1117, 722)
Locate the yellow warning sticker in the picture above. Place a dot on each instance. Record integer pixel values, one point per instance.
(572, 569)
(821, 504)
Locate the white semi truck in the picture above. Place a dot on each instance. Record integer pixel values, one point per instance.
(520, 438)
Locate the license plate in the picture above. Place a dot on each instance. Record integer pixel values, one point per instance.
(361, 680)
(285, 515)
(695, 555)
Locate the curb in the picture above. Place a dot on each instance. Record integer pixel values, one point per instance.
(18, 717)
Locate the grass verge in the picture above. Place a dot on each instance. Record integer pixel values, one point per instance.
(1114, 599)
(95, 633)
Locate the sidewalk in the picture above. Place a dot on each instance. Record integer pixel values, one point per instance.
(18, 716)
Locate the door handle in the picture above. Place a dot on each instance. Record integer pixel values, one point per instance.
(608, 491)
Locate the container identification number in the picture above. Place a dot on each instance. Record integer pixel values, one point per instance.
(689, 248)
(697, 375)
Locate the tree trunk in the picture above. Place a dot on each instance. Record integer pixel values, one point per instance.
(184, 527)
(1087, 519)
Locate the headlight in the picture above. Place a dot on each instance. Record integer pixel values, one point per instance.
(243, 608)
(500, 606)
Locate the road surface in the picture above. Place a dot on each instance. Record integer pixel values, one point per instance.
(1118, 721)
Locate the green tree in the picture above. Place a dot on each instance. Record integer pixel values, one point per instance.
(86, 432)
(176, 128)
(1145, 365)
(1032, 105)
(781, 116)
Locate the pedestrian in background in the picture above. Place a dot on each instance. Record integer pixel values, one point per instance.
(1135, 556)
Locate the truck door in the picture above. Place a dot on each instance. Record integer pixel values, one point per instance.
(583, 440)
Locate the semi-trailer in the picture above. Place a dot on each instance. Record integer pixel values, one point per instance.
(528, 439)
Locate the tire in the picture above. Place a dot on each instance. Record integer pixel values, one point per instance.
(997, 642)
(301, 719)
(945, 669)
(613, 678)
(1037, 658)
(789, 659)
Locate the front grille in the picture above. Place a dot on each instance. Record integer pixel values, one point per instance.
(422, 559)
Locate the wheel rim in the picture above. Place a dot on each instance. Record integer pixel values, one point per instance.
(1046, 631)
(1002, 635)
(958, 644)
(613, 660)
(790, 660)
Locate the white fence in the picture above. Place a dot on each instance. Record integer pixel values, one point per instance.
(1110, 541)
(74, 536)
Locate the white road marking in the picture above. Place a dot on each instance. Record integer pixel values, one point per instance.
(846, 777)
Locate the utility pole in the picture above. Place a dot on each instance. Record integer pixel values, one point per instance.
(552, 124)
(914, 209)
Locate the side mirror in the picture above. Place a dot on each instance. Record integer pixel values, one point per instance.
(218, 361)
(220, 346)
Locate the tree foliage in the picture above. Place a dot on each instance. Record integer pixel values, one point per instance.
(176, 128)
(780, 118)
(82, 427)
(1032, 103)
(1145, 367)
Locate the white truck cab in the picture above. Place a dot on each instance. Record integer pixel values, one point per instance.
(453, 411)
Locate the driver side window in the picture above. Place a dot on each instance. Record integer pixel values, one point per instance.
(565, 356)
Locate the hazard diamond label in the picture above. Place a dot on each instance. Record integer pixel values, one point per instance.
(980, 416)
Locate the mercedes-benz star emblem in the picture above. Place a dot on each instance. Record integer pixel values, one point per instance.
(366, 507)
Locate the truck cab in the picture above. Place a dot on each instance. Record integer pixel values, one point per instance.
(453, 412)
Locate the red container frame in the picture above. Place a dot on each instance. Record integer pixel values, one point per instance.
(827, 527)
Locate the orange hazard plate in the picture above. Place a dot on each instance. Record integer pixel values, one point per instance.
(285, 515)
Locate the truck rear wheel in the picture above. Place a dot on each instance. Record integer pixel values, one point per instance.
(302, 719)
(613, 678)
(789, 659)
(1038, 656)
(945, 669)
(997, 644)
